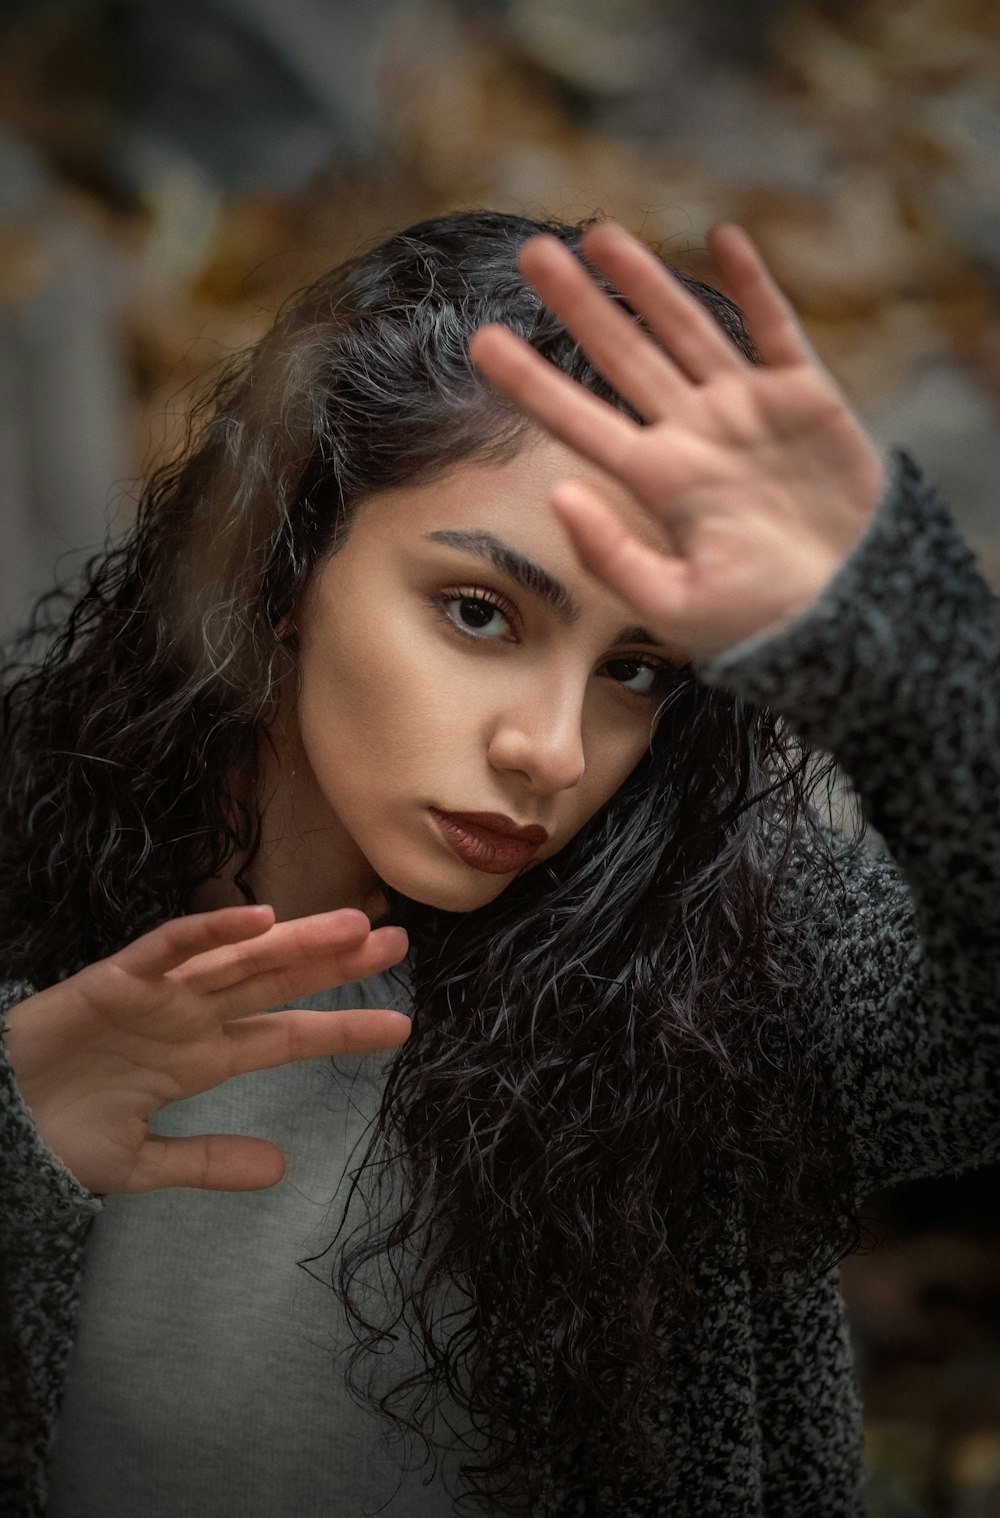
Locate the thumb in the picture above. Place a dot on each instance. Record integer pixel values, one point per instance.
(209, 1162)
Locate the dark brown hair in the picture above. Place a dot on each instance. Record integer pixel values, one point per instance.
(602, 1067)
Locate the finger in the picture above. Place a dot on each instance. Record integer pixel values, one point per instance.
(280, 1038)
(175, 942)
(209, 1162)
(770, 318)
(305, 974)
(652, 582)
(687, 330)
(300, 937)
(564, 408)
(613, 342)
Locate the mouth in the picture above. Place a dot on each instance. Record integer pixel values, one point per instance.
(487, 841)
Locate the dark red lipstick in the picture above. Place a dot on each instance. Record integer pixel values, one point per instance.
(489, 841)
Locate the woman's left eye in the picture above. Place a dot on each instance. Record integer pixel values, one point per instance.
(643, 677)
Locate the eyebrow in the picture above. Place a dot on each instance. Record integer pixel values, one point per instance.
(531, 576)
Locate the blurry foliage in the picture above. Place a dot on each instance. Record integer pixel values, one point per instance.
(860, 143)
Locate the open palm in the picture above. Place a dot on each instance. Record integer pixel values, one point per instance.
(759, 478)
(178, 1012)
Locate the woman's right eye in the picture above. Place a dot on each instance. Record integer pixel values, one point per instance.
(478, 615)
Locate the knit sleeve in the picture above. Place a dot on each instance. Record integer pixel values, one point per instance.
(45, 1215)
(895, 672)
(38, 1191)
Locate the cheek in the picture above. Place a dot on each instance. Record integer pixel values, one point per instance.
(609, 765)
(623, 743)
(385, 694)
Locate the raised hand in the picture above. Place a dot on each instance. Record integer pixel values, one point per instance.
(759, 478)
(177, 1012)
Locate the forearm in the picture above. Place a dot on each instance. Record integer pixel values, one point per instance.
(895, 671)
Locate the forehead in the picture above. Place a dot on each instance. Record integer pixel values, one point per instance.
(510, 498)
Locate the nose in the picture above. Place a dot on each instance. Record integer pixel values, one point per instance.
(540, 737)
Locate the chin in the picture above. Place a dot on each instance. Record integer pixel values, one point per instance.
(450, 895)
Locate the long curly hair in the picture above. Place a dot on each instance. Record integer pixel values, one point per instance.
(604, 1069)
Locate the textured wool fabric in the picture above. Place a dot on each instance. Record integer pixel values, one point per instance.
(896, 672)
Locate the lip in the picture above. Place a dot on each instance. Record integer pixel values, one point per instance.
(496, 822)
(488, 841)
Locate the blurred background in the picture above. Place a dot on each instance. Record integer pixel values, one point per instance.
(170, 172)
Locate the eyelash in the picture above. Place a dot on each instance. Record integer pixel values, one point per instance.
(441, 601)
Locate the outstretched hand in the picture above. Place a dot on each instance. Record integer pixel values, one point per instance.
(760, 478)
(177, 1012)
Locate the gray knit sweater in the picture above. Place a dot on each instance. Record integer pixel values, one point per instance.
(896, 672)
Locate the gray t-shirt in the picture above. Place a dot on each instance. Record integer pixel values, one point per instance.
(207, 1375)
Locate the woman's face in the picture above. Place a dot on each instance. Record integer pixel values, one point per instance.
(456, 658)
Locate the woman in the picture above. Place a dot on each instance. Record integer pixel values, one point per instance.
(667, 1030)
